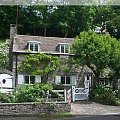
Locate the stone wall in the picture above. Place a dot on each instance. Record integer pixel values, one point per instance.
(34, 108)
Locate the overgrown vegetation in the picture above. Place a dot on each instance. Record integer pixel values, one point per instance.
(4, 50)
(104, 95)
(32, 93)
(7, 98)
(40, 64)
(98, 52)
(38, 92)
(58, 86)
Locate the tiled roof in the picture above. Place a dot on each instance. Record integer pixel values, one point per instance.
(47, 44)
(5, 71)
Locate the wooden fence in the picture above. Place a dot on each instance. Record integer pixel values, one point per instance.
(66, 94)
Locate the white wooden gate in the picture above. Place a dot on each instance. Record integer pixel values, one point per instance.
(81, 93)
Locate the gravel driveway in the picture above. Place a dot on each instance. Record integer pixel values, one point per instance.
(91, 108)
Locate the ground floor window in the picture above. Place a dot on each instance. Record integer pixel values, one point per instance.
(65, 80)
(28, 79)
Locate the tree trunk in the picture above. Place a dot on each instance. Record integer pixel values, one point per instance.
(66, 33)
(45, 31)
(34, 31)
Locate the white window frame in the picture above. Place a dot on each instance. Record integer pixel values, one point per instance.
(34, 43)
(64, 44)
(65, 80)
(29, 79)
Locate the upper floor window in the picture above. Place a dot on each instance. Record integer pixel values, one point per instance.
(34, 46)
(64, 48)
(28, 79)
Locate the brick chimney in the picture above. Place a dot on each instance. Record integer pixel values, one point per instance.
(13, 32)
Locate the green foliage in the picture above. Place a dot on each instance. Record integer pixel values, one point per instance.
(6, 98)
(58, 86)
(103, 95)
(56, 95)
(4, 49)
(32, 93)
(69, 21)
(39, 64)
(65, 68)
(97, 51)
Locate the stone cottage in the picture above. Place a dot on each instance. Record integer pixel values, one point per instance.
(21, 44)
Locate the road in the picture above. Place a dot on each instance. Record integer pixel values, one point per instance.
(97, 117)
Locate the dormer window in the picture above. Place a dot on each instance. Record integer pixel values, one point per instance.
(64, 48)
(34, 46)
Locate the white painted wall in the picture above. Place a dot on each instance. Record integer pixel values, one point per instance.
(20, 79)
(7, 86)
(38, 79)
(73, 80)
(57, 79)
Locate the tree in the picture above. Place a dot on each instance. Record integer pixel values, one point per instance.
(96, 51)
(114, 64)
(71, 20)
(4, 55)
(40, 64)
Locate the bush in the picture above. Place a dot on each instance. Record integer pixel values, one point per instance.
(32, 93)
(6, 98)
(103, 95)
(58, 86)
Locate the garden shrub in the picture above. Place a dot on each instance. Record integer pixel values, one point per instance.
(103, 95)
(32, 93)
(58, 86)
(6, 98)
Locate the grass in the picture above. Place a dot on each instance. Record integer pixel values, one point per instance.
(55, 116)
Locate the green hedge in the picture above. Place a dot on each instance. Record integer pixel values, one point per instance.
(103, 95)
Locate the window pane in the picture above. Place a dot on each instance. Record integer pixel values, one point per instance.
(36, 47)
(66, 48)
(26, 78)
(32, 79)
(63, 80)
(67, 80)
(87, 77)
(62, 48)
(31, 47)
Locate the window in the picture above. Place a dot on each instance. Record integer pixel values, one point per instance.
(64, 48)
(65, 80)
(34, 46)
(29, 79)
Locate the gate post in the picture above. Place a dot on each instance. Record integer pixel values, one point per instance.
(73, 93)
(65, 95)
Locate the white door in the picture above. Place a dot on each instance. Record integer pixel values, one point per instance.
(6, 83)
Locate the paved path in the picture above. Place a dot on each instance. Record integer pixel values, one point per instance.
(92, 108)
